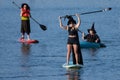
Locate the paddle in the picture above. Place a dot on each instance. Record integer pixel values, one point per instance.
(106, 9)
(103, 10)
(80, 31)
(43, 27)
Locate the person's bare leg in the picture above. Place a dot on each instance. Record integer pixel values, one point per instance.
(68, 53)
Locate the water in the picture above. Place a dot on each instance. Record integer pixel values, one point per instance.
(43, 61)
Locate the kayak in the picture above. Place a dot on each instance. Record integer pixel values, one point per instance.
(85, 44)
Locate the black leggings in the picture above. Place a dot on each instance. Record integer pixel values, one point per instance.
(25, 26)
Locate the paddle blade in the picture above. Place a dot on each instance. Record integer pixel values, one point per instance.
(43, 27)
(107, 9)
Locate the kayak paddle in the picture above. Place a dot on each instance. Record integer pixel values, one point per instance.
(103, 10)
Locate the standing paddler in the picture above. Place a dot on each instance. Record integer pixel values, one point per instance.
(73, 39)
(25, 21)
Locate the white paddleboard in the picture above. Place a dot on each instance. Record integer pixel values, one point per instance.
(71, 65)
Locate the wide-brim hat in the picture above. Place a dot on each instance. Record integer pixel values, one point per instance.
(92, 28)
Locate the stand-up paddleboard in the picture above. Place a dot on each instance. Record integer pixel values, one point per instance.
(28, 41)
(71, 65)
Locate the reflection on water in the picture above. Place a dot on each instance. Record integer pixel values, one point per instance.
(73, 74)
(25, 49)
(25, 59)
(93, 51)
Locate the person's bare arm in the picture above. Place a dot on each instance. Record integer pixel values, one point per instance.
(79, 21)
(61, 25)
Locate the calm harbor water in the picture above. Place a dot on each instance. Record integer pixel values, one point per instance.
(43, 61)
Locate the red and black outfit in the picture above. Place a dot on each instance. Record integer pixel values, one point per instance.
(25, 22)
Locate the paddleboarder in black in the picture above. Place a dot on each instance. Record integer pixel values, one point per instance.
(73, 39)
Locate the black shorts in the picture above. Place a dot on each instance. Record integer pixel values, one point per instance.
(25, 26)
(73, 41)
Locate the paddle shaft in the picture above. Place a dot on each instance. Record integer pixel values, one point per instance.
(16, 4)
(35, 20)
(80, 31)
(106, 9)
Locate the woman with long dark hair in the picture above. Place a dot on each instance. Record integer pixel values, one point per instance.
(25, 21)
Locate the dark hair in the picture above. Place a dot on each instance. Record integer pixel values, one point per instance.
(71, 21)
(26, 5)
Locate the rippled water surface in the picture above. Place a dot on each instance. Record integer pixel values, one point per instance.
(43, 61)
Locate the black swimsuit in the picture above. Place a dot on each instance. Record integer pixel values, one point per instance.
(73, 40)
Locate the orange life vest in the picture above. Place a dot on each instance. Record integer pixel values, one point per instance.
(26, 13)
